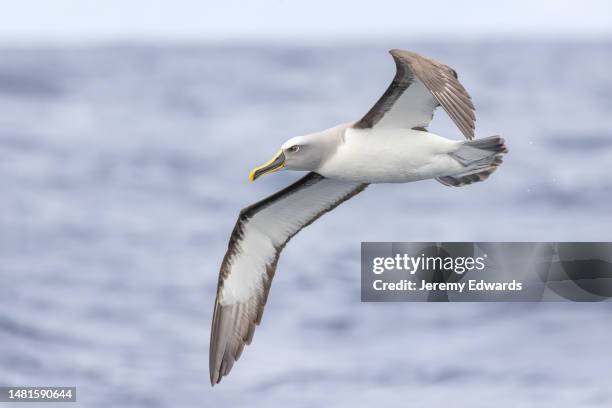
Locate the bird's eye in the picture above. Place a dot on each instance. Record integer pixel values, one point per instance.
(294, 148)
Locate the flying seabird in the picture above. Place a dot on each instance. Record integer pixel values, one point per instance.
(390, 144)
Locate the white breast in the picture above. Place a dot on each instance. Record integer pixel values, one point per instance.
(390, 156)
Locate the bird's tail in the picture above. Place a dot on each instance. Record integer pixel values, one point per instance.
(480, 158)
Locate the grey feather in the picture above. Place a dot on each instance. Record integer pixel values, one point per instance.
(480, 158)
(442, 83)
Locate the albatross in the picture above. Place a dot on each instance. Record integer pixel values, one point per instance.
(390, 144)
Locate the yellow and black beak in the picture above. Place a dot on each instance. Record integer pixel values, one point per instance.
(277, 163)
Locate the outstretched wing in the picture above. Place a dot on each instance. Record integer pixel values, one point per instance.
(261, 232)
(420, 85)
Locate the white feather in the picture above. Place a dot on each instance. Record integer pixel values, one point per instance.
(386, 155)
(414, 108)
(270, 228)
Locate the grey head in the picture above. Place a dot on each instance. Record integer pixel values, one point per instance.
(306, 153)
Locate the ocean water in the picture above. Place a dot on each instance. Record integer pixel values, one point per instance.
(123, 168)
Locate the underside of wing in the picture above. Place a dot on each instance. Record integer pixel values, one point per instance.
(420, 85)
(261, 232)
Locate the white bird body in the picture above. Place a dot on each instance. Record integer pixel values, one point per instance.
(397, 156)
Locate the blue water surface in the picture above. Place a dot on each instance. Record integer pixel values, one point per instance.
(122, 171)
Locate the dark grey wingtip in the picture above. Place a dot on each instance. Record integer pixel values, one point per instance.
(215, 378)
(216, 375)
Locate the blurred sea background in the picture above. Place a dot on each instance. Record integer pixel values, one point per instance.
(124, 155)
(123, 170)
